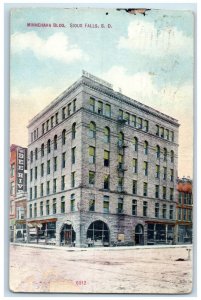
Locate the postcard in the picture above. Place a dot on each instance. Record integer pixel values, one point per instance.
(101, 151)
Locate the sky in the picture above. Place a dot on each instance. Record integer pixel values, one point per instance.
(149, 57)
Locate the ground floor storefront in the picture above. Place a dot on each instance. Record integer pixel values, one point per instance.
(184, 233)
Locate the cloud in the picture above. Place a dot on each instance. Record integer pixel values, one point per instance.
(56, 46)
(145, 38)
(173, 100)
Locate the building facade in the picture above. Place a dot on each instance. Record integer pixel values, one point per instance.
(102, 169)
(184, 211)
(18, 193)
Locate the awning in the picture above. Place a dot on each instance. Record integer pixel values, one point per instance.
(39, 222)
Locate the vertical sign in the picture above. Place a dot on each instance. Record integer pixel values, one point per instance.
(20, 170)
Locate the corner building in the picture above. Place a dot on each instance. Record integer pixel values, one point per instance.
(102, 170)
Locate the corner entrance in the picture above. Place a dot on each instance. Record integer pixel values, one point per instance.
(98, 234)
(139, 235)
(67, 235)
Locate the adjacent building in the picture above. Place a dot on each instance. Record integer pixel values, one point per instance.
(102, 169)
(184, 211)
(18, 192)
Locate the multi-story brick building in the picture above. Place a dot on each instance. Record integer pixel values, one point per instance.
(102, 169)
(184, 210)
(18, 192)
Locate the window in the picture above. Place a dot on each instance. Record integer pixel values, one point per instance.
(12, 188)
(157, 171)
(172, 136)
(106, 204)
(171, 175)
(126, 118)
(73, 155)
(134, 207)
(106, 135)
(92, 104)
(41, 189)
(56, 118)
(180, 197)
(43, 128)
(157, 130)
(92, 130)
(63, 137)
(36, 173)
(146, 125)
(172, 156)
(62, 204)
(157, 191)
(31, 174)
(100, 107)
(145, 147)
(73, 131)
(36, 153)
(171, 212)
(91, 178)
(31, 156)
(106, 158)
(54, 185)
(139, 123)
(52, 121)
(157, 152)
(164, 173)
(74, 105)
(91, 155)
(145, 188)
(145, 168)
(73, 179)
(55, 142)
(63, 113)
(47, 125)
(92, 203)
(120, 206)
(48, 187)
(55, 163)
(164, 192)
(162, 132)
(63, 182)
(120, 139)
(134, 165)
(64, 160)
(69, 109)
(48, 146)
(35, 191)
(54, 206)
(135, 144)
(108, 110)
(42, 170)
(165, 154)
(47, 207)
(120, 184)
(134, 187)
(41, 208)
(120, 116)
(156, 210)
(30, 210)
(171, 193)
(35, 210)
(164, 211)
(179, 214)
(72, 202)
(42, 150)
(133, 121)
(144, 208)
(189, 215)
(106, 182)
(30, 193)
(48, 166)
(167, 134)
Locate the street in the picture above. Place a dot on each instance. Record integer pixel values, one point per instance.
(111, 270)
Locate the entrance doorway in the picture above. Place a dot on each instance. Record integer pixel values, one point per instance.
(98, 234)
(139, 235)
(67, 235)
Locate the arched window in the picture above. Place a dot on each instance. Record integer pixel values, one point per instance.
(120, 139)
(165, 154)
(172, 156)
(106, 135)
(64, 137)
(73, 131)
(135, 144)
(48, 146)
(157, 151)
(31, 156)
(36, 153)
(92, 130)
(145, 147)
(42, 149)
(55, 142)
